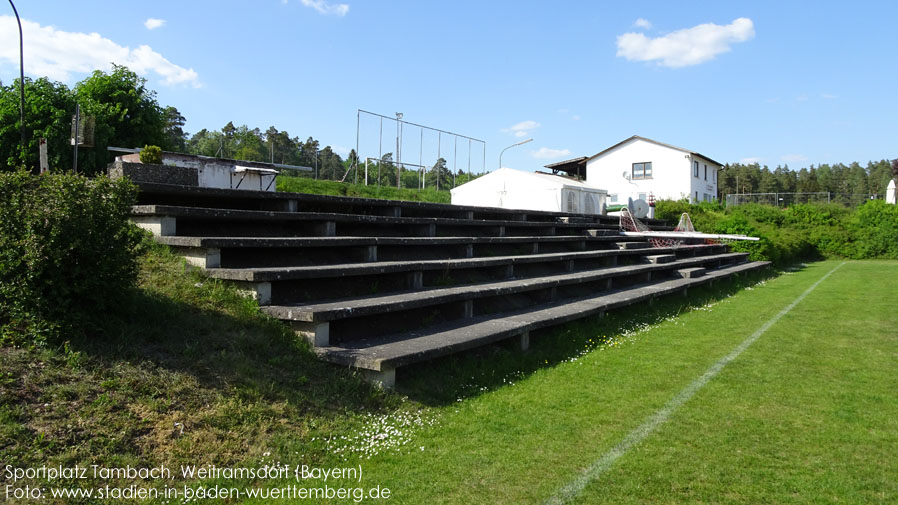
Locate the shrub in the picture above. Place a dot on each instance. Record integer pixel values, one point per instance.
(67, 253)
(875, 226)
(801, 231)
(151, 155)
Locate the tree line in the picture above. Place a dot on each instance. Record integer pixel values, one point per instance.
(127, 114)
(273, 146)
(837, 178)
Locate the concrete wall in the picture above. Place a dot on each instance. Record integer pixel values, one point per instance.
(200, 171)
(161, 174)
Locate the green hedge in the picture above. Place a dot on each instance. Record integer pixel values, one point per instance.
(798, 232)
(67, 253)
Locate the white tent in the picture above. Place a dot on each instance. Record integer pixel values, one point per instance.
(513, 189)
(891, 192)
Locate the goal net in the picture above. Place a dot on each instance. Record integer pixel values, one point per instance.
(631, 223)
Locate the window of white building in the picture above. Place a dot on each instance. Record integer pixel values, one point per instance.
(642, 170)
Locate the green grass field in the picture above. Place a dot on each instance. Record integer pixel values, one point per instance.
(807, 414)
(193, 374)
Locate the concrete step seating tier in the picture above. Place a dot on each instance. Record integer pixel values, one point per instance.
(378, 284)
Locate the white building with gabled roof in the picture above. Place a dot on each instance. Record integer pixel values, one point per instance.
(507, 188)
(638, 167)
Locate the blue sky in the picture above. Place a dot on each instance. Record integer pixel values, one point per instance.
(794, 83)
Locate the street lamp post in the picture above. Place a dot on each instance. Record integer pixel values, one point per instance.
(21, 77)
(509, 147)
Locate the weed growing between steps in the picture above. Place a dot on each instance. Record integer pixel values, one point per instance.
(464, 375)
(188, 372)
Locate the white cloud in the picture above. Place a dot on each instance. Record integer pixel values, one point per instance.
(545, 153)
(525, 125)
(794, 158)
(643, 23)
(828, 96)
(575, 117)
(341, 150)
(153, 23)
(749, 161)
(686, 47)
(521, 129)
(802, 98)
(58, 54)
(325, 7)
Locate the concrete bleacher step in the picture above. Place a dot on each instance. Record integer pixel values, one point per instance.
(660, 258)
(377, 284)
(167, 220)
(634, 245)
(179, 195)
(691, 273)
(214, 252)
(468, 300)
(381, 356)
(604, 232)
(416, 274)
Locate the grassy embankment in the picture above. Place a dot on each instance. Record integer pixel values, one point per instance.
(187, 371)
(334, 188)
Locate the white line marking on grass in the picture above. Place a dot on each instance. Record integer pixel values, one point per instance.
(645, 429)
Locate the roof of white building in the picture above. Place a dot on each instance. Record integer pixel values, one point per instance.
(576, 165)
(637, 137)
(544, 179)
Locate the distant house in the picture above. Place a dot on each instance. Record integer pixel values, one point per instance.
(513, 189)
(637, 167)
(202, 171)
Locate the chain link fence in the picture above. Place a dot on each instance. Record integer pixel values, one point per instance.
(786, 199)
